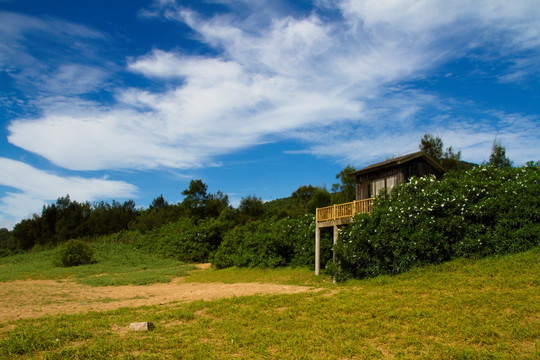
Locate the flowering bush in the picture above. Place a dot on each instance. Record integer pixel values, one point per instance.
(483, 211)
(302, 234)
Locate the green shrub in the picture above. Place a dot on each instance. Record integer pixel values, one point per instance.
(74, 253)
(271, 243)
(186, 240)
(483, 211)
(255, 244)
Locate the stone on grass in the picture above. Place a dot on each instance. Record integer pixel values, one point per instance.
(141, 326)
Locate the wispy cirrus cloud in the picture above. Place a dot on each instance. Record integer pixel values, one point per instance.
(342, 85)
(36, 46)
(274, 77)
(473, 138)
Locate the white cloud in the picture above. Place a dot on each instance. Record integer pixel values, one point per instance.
(34, 188)
(29, 53)
(61, 81)
(183, 128)
(474, 138)
(276, 77)
(167, 65)
(16, 26)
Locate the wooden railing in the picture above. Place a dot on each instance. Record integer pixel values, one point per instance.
(342, 211)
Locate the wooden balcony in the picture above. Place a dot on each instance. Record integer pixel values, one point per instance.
(343, 211)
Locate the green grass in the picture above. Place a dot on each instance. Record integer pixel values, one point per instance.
(116, 265)
(285, 275)
(465, 309)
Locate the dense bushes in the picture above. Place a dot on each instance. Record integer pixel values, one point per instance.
(270, 243)
(472, 213)
(483, 211)
(74, 253)
(186, 240)
(267, 243)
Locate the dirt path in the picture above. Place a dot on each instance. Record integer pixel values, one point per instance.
(35, 298)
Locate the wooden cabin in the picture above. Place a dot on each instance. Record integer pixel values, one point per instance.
(387, 174)
(369, 182)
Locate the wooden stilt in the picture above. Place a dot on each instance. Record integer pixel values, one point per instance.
(336, 235)
(317, 250)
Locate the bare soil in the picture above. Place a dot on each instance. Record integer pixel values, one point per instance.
(36, 298)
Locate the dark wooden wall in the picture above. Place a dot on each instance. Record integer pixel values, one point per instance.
(416, 167)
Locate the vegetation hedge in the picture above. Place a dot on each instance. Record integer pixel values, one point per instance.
(475, 213)
(270, 243)
(186, 240)
(484, 211)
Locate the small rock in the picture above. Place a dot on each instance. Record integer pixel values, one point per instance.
(141, 326)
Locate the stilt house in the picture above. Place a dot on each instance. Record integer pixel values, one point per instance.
(369, 182)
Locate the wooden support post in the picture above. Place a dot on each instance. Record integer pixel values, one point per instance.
(317, 250)
(336, 234)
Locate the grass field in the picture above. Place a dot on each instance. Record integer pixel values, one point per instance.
(117, 264)
(465, 309)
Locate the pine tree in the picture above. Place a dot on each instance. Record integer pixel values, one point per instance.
(432, 146)
(498, 155)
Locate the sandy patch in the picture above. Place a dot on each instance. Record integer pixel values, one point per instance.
(36, 298)
(205, 266)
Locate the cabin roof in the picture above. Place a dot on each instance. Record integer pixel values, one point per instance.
(398, 161)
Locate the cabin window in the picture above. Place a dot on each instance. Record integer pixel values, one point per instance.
(379, 184)
(376, 186)
(391, 181)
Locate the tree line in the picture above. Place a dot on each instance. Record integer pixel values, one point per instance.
(67, 219)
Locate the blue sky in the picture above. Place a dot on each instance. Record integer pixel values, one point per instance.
(132, 99)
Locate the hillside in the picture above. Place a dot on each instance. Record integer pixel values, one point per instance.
(463, 309)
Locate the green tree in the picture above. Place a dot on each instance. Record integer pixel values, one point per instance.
(158, 203)
(199, 204)
(345, 190)
(301, 198)
(216, 204)
(432, 146)
(251, 208)
(159, 213)
(71, 216)
(7, 243)
(321, 198)
(27, 232)
(450, 160)
(98, 223)
(498, 155)
(49, 217)
(195, 198)
(121, 215)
